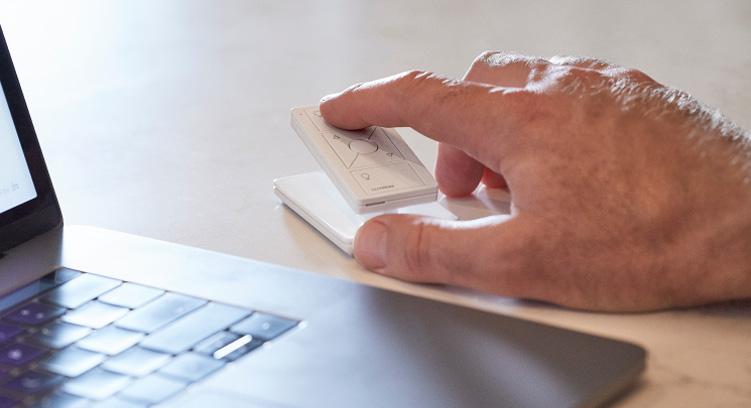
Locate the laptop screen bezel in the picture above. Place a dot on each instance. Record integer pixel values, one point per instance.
(41, 214)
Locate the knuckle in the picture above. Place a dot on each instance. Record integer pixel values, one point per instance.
(420, 86)
(499, 59)
(486, 55)
(486, 58)
(413, 75)
(415, 81)
(408, 80)
(638, 76)
(566, 59)
(578, 81)
(417, 254)
(582, 61)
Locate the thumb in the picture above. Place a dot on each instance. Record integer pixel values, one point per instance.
(483, 254)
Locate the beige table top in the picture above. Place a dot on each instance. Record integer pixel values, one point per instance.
(169, 119)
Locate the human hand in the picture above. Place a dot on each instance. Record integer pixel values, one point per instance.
(626, 195)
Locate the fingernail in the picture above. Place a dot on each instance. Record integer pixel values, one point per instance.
(370, 245)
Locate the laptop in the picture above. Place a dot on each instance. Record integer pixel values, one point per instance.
(91, 317)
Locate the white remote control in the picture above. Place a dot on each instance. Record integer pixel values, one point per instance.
(373, 168)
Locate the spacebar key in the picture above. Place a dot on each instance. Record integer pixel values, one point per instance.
(188, 331)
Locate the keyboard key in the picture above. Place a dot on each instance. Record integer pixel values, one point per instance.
(191, 329)
(152, 389)
(191, 367)
(61, 275)
(33, 314)
(224, 344)
(58, 335)
(263, 327)
(159, 313)
(96, 384)
(8, 403)
(131, 295)
(95, 314)
(72, 362)
(18, 355)
(136, 362)
(33, 383)
(62, 400)
(227, 346)
(8, 332)
(80, 290)
(110, 340)
(36, 287)
(237, 348)
(116, 402)
(215, 342)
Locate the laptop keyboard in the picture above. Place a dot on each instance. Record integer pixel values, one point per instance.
(75, 339)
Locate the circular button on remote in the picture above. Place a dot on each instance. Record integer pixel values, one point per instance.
(363, 146)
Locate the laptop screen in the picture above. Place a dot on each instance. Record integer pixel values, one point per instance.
(16, 185)
(28, 206)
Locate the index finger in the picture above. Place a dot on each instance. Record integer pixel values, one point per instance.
(460, 113)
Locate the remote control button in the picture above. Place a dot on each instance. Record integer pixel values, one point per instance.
(363, 146)
(340, 144)
(386, 153)
(386, 178)
(383, 140)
